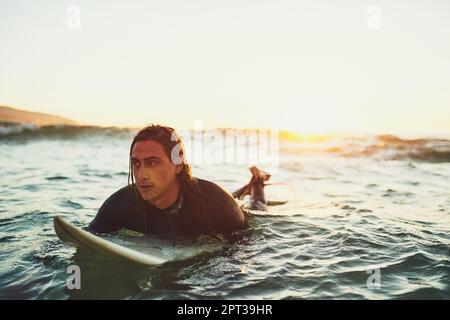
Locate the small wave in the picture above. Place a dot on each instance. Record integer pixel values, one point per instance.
(424, 294)
(394, 140)
(383, 147)
(30, 187)
(429, 155)
(93, 173)
(72, 204)
(427, 150)
(31, 131)
(395, 193)
(9, 128)
(7, 238)
(415, 261)
(57, 178)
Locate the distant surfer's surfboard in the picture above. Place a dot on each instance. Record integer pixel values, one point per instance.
(74, 236)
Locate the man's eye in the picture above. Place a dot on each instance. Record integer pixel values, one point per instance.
(136, 164)
(152, 163)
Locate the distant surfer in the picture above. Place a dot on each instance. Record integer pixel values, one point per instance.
(164, 198)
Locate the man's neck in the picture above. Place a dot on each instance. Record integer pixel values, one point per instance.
(169, 198)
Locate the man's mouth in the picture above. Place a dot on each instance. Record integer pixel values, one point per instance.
(146, 187)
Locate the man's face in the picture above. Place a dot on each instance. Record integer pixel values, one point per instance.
(154, 172)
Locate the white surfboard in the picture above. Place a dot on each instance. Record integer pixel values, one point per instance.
(134, 247)
(74, 236)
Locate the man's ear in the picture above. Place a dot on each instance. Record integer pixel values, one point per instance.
(178, 168)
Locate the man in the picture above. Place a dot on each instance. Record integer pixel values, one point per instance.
(165, 199)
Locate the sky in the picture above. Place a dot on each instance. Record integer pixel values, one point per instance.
(307, 66)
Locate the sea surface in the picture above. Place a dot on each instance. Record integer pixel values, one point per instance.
(367, 217)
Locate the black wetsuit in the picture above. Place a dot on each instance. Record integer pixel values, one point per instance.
(126, 209)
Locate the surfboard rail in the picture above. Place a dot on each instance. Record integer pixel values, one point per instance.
(77, 237)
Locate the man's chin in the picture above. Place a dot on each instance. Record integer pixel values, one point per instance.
(147, 196)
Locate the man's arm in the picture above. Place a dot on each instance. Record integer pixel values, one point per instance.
(109, 217)
(225, 214)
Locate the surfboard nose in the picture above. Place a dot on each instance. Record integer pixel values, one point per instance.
(57, 221)
(57, 224)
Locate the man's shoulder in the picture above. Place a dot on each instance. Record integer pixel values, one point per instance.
(125, 194)
(209, 186)
(223, 209)
(111, 215)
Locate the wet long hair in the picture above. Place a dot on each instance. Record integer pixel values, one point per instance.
(190, 188)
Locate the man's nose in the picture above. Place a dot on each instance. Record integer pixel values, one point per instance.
(143, 175)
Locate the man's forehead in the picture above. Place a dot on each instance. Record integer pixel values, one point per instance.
(148, 148)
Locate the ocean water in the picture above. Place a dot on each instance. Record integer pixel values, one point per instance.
(367, 217)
